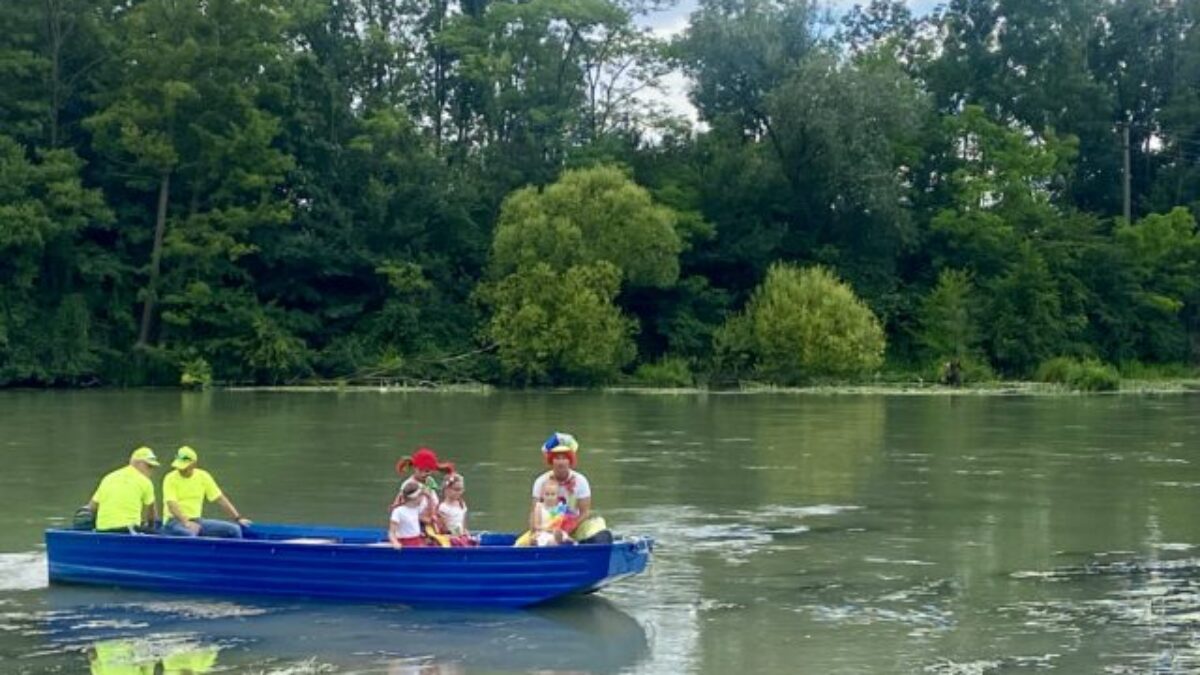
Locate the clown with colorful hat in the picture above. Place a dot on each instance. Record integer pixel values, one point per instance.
(561, 453)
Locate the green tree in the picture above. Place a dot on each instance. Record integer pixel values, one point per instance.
(589, 215)
(848, 139)
(554, 325)
(949, 325)
(186, 118)
(1001, 226)
(1025, 323)
(1163, 251)
(48, 280)
(802, 324)
(739, 51)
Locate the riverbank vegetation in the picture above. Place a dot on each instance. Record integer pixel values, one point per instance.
(493, 191)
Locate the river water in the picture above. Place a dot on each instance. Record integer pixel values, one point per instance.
(844, 534)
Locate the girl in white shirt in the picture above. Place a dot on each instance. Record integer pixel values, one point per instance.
(452, 511)
(404, 527)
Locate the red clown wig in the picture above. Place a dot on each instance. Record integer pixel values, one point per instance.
(425, 460)
(560, 444)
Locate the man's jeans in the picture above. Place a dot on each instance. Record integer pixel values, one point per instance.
(208, 528)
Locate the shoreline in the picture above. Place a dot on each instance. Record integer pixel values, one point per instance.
(1011, 388)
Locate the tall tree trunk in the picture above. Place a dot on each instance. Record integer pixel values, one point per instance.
(439, 76)
(160, 228)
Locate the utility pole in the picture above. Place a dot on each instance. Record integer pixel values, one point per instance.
(1128, 210)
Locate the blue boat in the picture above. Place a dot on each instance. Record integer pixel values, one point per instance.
(343, 564)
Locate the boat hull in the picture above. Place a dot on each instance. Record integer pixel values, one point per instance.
(342, 564)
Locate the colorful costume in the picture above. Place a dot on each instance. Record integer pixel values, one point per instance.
(575, 487)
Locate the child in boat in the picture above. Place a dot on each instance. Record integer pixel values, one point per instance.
(404, 526)
(452, 512)
(424, 463)
(552, 518)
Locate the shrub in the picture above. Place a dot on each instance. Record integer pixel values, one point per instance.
(1095, 375)
(971, 370)
(1057, 370)
(802, 324)
(1136, 370)
(559, 327)
(195, 373)
(1081, 375)
(670, 371)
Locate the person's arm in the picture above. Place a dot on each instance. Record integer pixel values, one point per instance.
(440, 519)
(584, 506)
(177, 514)
(93, 506)
(428, 508)
(150, 505)
(232, 510)
(171, 505)
(533, 515)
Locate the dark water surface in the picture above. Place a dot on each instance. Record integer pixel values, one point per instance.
(795, 533)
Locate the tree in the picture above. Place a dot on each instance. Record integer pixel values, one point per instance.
(186, 119)
(739, 51)
(802, 324)
(556, 326)
(949, 325)
(49, 280)
(848, 140)
(1025, 323)
(588, 216)
(1163, 254)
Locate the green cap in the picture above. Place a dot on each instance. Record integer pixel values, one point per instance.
(184, 458)
(144, 454)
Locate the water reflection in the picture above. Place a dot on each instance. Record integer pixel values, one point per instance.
(796, 534)
(135, 632)
(132, 656)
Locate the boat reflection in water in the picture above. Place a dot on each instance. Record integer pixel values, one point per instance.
(138, 632)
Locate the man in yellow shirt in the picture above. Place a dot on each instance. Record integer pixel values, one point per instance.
(124, 501)
(184, 492)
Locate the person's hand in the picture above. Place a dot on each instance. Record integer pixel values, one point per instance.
(245, 522)
(193, 526)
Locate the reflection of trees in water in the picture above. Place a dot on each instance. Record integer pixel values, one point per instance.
(743, 450)
(1004, 483)
(833, 443)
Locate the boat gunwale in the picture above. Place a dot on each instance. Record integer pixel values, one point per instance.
(636, 544)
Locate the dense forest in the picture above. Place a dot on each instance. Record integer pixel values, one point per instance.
(277, 191)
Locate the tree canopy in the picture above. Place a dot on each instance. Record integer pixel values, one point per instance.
(497, 190)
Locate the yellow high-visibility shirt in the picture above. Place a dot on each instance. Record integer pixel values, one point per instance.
(189, 492)
(122, 495)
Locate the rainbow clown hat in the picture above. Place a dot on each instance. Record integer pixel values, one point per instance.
(560, 443)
